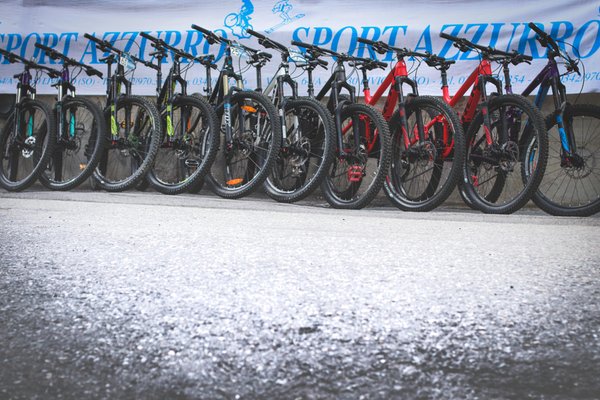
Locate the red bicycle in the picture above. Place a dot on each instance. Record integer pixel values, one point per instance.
(427, 137)
(495, 177)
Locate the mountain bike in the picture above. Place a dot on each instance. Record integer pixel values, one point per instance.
(80, 127)
(134, 125)
(250, 135)
(427, 138)
(27, 138)
(571, 182)
(307, 143)
(362, 146)
(498, 127)
(190, 139)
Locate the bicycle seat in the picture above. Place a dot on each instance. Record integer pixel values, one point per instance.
(7, 101)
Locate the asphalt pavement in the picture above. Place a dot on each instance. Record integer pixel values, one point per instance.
(141, 295)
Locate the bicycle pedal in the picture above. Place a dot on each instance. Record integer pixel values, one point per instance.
(355, 173)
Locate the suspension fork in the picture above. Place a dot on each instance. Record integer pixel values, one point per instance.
(482, 81)
(421, 134)
(565, 130)
(227, 110)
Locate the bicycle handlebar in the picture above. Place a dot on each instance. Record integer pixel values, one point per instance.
(463, 43)
(544, 38)
(210, 36)
(55, 55)
(383, 48)
(315, 49)
(12, 57)
(267, 42)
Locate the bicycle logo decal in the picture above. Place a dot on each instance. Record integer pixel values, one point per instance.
(283, 8)
(237, 23)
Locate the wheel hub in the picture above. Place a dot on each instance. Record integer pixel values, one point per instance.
(579, 165)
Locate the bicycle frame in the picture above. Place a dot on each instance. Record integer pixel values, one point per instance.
(549, 78)
(166, 94)
(334, 85)
(395, 81)
(276, 88)
(478, 79)
(25, 89)
(223, 92)
(114, 85)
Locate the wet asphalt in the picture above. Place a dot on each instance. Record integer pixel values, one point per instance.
(141, 295)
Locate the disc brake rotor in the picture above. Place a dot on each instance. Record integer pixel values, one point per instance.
(30, 142)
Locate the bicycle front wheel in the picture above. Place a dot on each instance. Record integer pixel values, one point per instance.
(78, 146)
(306, 153)
(427, 155)
(26, 144)
(571, 183)
(245, 159)
(359, 168)
(127, 157)
(188, 147)
(494, 174)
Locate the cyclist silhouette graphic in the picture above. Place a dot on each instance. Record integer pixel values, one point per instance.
(283, 8)
(239, 22)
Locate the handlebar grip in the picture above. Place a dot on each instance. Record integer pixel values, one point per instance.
(450, 62)
(537, 30)
(201, 29)
(381, 64)
(42, 47)
(256, 34)
(301, 44)
(92, 38)
(93, 71)
(365, 41)
(449, 37)
(323, 63)
(417, 54)
(149, 37)
(264, 54)
(527, 58)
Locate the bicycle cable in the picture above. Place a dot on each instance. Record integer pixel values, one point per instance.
(578, 56)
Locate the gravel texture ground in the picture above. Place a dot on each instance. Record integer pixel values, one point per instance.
(140, 295)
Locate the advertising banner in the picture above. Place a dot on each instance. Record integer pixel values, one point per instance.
(334, 24)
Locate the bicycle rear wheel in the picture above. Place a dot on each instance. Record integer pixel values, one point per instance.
(26, 144)
(243, 164)
(514, 121)
(79, 146)
(305, 155)
(427, 155)
(185, 155)
(125, 161)
(356, 177)
(571, 182)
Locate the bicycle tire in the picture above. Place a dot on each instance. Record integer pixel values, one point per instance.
(75, 158)
(504, 158)
(581, 179)
(179, 164)
(421, 176)
(23, 160)
(124, 163)
(304, 159)
(243, 165)
(343, 187)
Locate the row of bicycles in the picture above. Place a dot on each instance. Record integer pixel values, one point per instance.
(499, 151)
